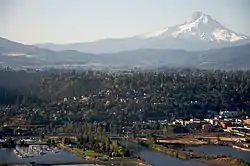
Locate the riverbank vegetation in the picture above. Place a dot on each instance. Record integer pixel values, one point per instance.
(92, 141)
(190, 155)
(103, 158)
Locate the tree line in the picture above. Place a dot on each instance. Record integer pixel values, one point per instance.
(127, 96)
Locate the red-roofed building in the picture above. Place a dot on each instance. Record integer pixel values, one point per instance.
(226, 124)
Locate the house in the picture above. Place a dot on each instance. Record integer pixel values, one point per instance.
(207, 127)
(195, 120)
(6, 131)
(178, 122)
(194, 126)
(229, 114)
(247, 121)
(247, 127)
(27, 140)
(211, 121)
(227, 124)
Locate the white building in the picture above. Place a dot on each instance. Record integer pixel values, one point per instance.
(229, 114)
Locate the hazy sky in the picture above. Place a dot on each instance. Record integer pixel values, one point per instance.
(64, 21)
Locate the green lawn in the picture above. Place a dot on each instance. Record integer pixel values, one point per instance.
(90, 153)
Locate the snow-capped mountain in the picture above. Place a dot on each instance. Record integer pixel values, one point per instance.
(201, 27)
(201, 32)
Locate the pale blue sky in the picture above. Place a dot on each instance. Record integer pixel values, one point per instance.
(64, 21)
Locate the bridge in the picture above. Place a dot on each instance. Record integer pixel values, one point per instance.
(116, 137)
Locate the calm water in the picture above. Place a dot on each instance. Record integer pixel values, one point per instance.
(7, 156)
(223, 150)
(158, 159)
(152, 157)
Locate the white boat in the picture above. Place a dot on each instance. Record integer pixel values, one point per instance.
(25, 156)
(42, 153)
(31, 155)
(17, 153)
(57, 151)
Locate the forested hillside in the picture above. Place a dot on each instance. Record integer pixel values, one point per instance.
(98, 96)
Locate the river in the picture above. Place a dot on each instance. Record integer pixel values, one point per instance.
(152, 157)
(213, 149)
(155, 158)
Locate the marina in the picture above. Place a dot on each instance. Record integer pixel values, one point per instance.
(9, 156)
(34, 150)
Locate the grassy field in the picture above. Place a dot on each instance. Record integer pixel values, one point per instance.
(87, 153)
(82, 153)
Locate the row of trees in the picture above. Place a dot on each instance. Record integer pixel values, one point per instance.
(95, 137)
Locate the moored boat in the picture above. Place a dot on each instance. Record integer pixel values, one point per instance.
(42, 153)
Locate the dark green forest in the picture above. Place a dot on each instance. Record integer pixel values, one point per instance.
(66, 96)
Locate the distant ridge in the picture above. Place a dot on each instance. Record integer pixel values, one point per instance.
(27, 56)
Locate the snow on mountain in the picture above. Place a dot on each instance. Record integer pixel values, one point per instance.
(154, 34)
(18, 55)
(201, 27)
(201, 32)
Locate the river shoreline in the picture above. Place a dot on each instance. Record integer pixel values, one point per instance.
(213, 160)
(176, 152)
(7, 157)
(130, 161)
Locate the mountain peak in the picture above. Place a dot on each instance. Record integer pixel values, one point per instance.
(201, 17)
(199, 14)
(201, 26)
